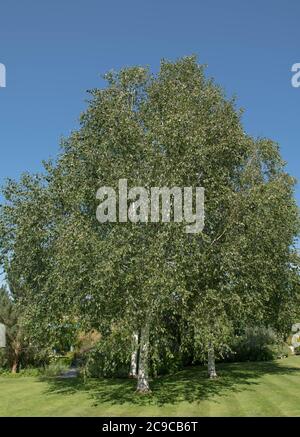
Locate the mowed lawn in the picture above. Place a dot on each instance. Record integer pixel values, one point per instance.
(242, 389)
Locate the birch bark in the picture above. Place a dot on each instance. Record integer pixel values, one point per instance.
(143, 372)
(211, 364)
(134, 355)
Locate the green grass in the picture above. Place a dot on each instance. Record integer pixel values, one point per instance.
(242, 389)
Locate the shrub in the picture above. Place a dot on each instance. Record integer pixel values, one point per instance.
(110, 357)
(281, 350)
(31, 371)
(106, 363)
(258, 344)
(65, 360)
(297, 350)
(55, 369)
(3, 360)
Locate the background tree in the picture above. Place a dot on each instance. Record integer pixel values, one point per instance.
(15, 341)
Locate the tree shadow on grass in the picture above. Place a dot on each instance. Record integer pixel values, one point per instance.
(189, 385)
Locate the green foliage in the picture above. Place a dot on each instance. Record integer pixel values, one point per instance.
(15, 335)
(65, 360)
(19, 351)
(259, 344)
(3, 359)
(55, 368)
(176, 128)
(297, 350)
(282, 350)
(28, 371)
(110, 358)
(31, 371)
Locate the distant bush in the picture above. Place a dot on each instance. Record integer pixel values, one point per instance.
(297, 350)
(258, 344)
(29, 371)
(64, 360)
(109, 358)
(281, 350)
(4, 371)
(55, 369)
(3, 360)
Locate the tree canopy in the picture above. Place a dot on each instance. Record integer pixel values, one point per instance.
(182, 293)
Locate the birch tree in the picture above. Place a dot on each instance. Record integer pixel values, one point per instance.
(173, 129)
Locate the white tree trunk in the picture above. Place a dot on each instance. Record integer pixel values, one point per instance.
(211, 363)
(143, 377)
(134, 355)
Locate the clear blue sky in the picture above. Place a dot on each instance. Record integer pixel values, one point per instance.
(55, 50)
